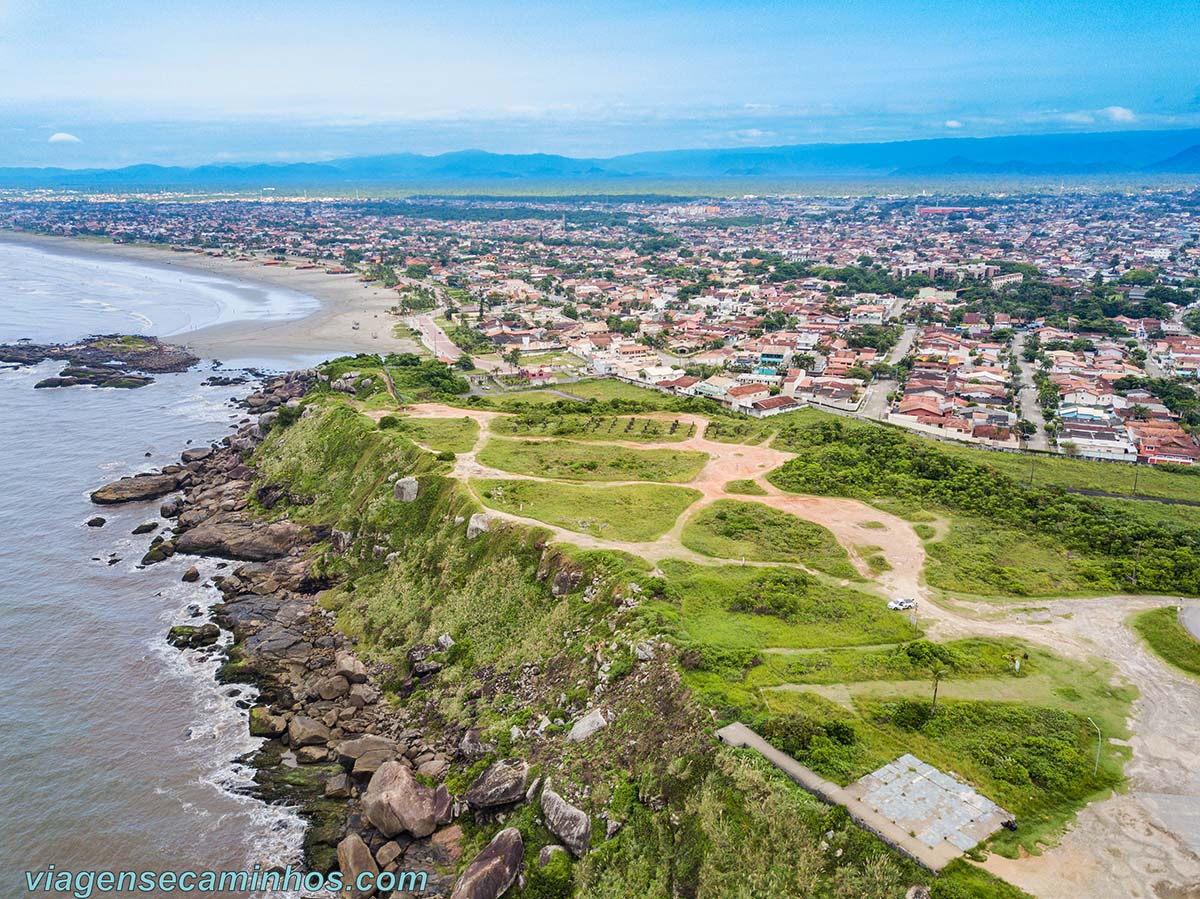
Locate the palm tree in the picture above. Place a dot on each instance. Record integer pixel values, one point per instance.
(513, 357)
(1139, 412)
(938, 672)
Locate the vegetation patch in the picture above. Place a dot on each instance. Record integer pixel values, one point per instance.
(455, 435)
(591, 462)
(750, 431)
(731, 529)
(980, 557)
(1108, 546)
(1169, 639)
(1165, 481)
(746, 488)
(612, 428)
(630, 513)
(727, 615)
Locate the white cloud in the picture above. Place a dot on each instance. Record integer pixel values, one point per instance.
(1118, 114)
(952, 123)
(61, 137)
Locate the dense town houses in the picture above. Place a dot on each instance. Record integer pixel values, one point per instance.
(1058, 322)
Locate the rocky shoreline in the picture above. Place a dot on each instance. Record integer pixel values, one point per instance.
(110, 360)
(364, 775)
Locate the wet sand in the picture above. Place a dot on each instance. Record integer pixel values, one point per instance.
(344, 300)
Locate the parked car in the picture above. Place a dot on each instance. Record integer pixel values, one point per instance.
(902, 604)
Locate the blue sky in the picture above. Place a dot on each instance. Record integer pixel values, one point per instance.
(132, 81)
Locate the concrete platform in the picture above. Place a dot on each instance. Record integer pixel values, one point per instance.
(928, 815)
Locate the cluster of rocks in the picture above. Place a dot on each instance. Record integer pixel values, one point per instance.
(371, 784)
(111, 360)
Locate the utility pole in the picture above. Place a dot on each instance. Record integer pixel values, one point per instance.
(1099, 739)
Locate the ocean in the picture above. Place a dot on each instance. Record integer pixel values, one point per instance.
(118, 749)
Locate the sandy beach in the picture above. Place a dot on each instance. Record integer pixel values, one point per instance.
(329, 330)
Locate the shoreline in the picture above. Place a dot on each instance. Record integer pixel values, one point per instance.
(319, 709)
(342, 300)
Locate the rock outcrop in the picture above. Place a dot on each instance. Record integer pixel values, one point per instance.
(568, 823)
(587, 725)
(502, 783)
(395, 803)
(234, 536)
(494, 870)
(354, 858)
(137, 488)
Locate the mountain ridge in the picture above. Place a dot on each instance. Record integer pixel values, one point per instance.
(1125, 152)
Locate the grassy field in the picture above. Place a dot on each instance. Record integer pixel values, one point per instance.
(746, 488)
(752, 608)
(1110, 477)
(631, 514)
(591, 462)
(608, 389)
(739, 430)
(623, 428)
(730, 529)
(982, 558)
(1171, 642)
(456, 435)
(1022, 738)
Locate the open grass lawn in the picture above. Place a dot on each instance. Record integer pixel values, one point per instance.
(514, 400)
(616, 428)
(591, 462)
(457, 435)
(739, 430)
(746, 488)
(731, 529)
(1110, 477)
(632, 514)
(1171, 642)
(736, 607)
(609, 389)
(987, 559)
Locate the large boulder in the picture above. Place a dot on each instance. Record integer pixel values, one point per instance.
(568, 823)
(503, 783)
(350, 751)
(347, 665)
(473, 746)
(587, 725)
(140, 487)
(264, 724)
(494, 870)
(479, 523)
(330, 688)
(305, 731)
(235, 537)
(406, 489)
(188, 636)
(354, 858)
(395, 803)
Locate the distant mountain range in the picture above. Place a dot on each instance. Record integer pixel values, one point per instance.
(1111, 153)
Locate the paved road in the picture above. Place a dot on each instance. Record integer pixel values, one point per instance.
(1027, 395)
(875, 404)
(1191, 620)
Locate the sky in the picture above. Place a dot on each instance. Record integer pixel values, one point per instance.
(106, 83)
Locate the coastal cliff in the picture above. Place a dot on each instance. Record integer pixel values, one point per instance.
(447, 692)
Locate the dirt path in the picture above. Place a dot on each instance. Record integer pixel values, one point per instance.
(854, 524)
(1146, 842)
